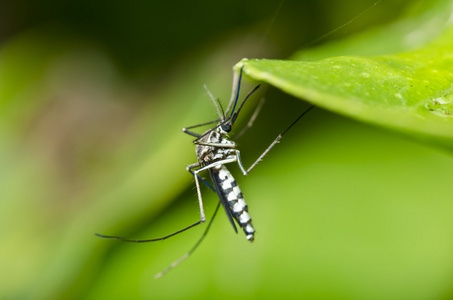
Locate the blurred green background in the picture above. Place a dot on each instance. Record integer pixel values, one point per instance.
(93, 96)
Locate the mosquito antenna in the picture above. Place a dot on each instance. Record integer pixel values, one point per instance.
(237, 85)
(234, 116)
(214, 101)
(221, 107)
(270, 25)
(313, 42)
(185, 256)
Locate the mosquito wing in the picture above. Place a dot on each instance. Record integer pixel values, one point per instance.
(216, 181)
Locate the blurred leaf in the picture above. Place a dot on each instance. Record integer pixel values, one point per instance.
(410, 92)
(84, 149)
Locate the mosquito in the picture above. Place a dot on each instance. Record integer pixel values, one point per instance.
(215, 149)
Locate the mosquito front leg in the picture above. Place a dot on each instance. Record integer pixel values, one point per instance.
(186, 129)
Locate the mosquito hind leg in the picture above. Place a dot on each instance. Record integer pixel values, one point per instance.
(252, 119)
(277, 139)
(194, 247)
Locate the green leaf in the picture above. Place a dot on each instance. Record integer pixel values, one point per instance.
(410, 92)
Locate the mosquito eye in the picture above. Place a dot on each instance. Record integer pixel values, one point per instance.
(226, 127)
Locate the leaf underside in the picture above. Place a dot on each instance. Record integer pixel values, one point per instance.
(410, 92)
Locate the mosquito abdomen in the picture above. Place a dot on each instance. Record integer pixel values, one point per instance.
(232, 193)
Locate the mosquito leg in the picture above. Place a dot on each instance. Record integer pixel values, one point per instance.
(218, 145)
(204, 181)
(197, 183)
(185, 256)
(148, 240)
(252, 119)
(277, 139)
(189, 168)
(193, 166)
(200, 200)
(186, 129)
(205, 233)
(238, 159)
(202, 219)
(196, 165)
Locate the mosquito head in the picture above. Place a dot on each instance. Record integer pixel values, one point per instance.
(226, 127)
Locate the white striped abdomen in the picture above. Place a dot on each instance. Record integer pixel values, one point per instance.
(236, 203)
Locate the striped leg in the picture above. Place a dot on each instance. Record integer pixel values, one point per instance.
(275, 142)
